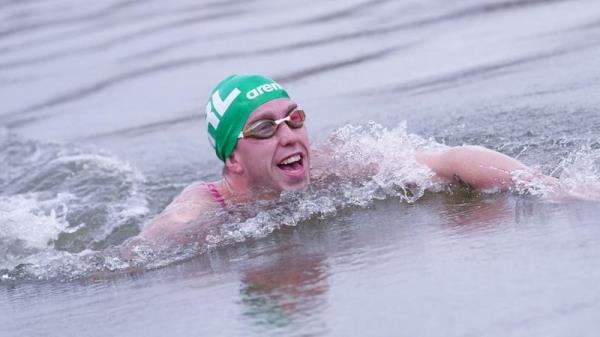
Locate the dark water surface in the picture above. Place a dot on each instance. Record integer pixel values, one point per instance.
(101, 125)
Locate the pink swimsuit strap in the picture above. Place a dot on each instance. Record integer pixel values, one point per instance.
(212, 188)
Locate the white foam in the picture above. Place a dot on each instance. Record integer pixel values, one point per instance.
(33, 221)
(29, 224)
(389, 153)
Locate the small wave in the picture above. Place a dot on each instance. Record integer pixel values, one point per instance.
(58, 200)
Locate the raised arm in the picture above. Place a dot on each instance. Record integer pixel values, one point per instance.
(475, 166)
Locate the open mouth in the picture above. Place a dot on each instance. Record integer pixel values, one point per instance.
(292, 163)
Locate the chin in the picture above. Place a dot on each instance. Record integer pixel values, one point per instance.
(294, 177)
(301, 185)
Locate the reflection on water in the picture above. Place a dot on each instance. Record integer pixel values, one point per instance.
(292, 289)
(466, 209)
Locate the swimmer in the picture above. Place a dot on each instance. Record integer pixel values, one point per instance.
(258, 132)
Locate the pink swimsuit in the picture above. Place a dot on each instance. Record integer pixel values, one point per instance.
(212, 188)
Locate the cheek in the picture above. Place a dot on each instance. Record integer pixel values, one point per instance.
(304, 137)
(258, 152)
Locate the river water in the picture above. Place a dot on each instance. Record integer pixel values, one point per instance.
(101, 125)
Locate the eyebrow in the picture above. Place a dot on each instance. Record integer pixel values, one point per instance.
(291, 108)
(267, 113)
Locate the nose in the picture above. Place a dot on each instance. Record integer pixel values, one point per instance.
(287, 135)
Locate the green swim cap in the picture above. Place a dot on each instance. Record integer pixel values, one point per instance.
(231, 103)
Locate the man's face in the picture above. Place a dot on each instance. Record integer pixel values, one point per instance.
(271, 163)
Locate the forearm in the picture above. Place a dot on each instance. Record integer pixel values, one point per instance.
(474, 166)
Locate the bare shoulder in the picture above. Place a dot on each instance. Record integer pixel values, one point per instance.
(194, 196)
(191, 204)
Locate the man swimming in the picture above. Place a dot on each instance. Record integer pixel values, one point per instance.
(258, 132)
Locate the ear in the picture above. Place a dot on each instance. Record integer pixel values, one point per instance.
(234, 164)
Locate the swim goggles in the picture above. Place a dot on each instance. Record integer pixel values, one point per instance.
(266, 128)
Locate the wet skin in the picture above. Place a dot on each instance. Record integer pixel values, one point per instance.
(257, 163)
(253, 171)
(260, 169)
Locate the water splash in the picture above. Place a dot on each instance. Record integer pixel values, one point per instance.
(29, 223)
(354, 167)
(358, 164)
(58, 200)
(578, 178)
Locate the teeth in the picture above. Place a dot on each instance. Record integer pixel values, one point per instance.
(291, 159)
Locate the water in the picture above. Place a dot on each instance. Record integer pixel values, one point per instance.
(100, 127)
